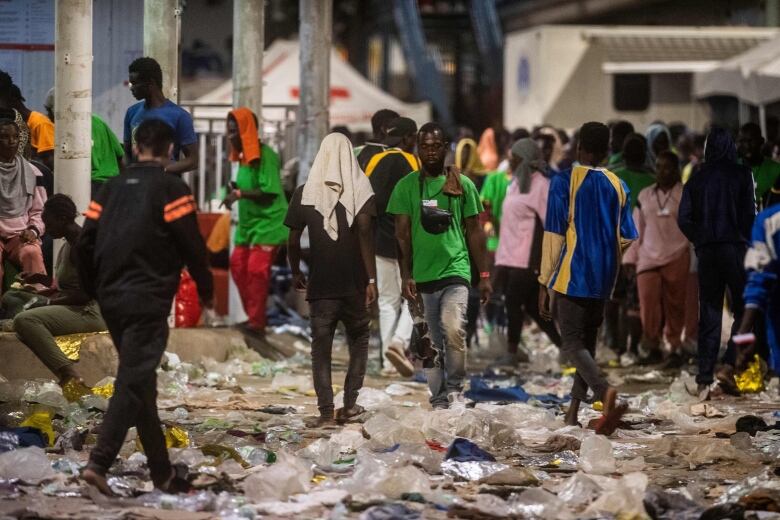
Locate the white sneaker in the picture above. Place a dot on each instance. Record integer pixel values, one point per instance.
(457, 401)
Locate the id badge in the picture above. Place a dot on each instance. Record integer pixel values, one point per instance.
(430, 203)
(664, 212)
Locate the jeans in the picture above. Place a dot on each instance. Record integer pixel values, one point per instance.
(721, 267)
(325, 315)
(445, 312)
(521, 291)
(395, 322)
(37, 328)
(251, 270)
(579, 320)
(140, 340)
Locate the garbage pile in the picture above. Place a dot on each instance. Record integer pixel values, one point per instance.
(243, 430)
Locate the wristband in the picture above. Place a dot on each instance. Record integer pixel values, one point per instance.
(484, 275)
(744, 339)
(371, 281)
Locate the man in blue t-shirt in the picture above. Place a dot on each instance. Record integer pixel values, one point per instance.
(146, 85)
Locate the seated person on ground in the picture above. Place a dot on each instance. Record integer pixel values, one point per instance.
(68, 309)
(21, 202)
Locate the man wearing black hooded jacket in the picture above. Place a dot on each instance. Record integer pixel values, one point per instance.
(716, 214)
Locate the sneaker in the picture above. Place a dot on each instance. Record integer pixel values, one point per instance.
(654, 357)
(395, 355)
(628, 359)
(457, 401)
(675, 360)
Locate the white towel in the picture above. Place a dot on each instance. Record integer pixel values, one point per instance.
(335, 177)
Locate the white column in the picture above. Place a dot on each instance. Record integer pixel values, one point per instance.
(162, 41)
(762, 119)
(313, 119)
(248, 46)
(73, 100)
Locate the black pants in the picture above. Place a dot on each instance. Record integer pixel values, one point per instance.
(579, 320)
(721, 267)
(521, 292)
(325, 315)
(140, 340)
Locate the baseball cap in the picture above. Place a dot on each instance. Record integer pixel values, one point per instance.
(399, 128)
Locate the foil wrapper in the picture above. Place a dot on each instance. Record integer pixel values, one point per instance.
(176, 437)
(70, 344)
(471, 471)
(751, 381)
(106, 390)
(74, 389)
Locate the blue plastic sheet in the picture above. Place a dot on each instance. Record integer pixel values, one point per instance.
(463, 450)
(483, 390)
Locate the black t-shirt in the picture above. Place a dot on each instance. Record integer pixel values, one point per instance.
(390, 169)
(336, 269)
(368, 151)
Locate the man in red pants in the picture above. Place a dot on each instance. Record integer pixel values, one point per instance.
(262, 207)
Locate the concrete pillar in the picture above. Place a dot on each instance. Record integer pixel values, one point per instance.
(772, 13)
(162, 41)
(313, 119)
(73, 99)
(248, 46)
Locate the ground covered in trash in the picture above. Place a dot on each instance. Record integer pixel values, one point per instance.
(244, 428)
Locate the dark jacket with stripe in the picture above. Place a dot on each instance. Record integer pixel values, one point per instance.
(140, 231)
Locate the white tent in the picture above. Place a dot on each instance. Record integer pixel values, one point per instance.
(753, 76)
(353, 99)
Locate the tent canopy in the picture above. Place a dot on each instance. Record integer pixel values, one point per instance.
(753, 76)
(353, 99)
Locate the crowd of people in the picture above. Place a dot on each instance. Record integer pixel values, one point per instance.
(648, 234)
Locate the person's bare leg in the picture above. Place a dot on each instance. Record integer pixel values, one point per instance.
(572, 412)
(97, 479)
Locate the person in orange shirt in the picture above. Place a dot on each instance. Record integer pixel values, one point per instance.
(41, 127)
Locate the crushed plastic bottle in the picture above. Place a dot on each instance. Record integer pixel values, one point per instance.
(596, 455)
(621, 496)
(579, 490)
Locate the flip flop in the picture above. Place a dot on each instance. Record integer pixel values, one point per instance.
(609, 422)
(399, 361)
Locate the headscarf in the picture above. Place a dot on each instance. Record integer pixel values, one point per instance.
(250, 140)
(488, 150)
(24, 130)
(652, 133)
(474, 164)
(557, 151)
(719, 146)
(17, 184)
(531, 155)
(335, 177)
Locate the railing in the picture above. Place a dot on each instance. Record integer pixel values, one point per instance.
(214, 173)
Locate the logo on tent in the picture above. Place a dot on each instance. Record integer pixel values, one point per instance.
(335, 92)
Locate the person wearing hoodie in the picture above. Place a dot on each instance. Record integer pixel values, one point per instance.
(716, 214)
(261, 209)
(659, 139)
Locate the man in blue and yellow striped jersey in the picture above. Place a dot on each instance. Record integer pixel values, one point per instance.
(588, 226)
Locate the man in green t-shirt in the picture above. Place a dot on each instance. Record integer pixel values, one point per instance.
(634, 172)
(262, 207)
(492, 195)
(765, 170)
(437, 229)
(107, 153)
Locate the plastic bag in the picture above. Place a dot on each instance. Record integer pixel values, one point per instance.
(187, 306)
(27, 464)
(596, 455)
(289, 476)
(284, 383)
(579, 490)
(624, 496)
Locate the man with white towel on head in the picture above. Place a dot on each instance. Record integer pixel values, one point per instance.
(337, 206)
